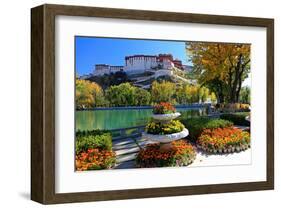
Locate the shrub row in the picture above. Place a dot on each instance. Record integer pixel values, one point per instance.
(197, 125)
(237, 118)
(93, 139)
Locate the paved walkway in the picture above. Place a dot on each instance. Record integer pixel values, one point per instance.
(221, 159)
(126, 150)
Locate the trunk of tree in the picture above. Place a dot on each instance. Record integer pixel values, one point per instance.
(239, 85)
(235, 89)
(221, 98)
(229, 97)
(238, 91)
(219, 93)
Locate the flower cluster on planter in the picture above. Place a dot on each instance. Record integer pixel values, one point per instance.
(173, 126)
(224, 140)
(181, 154)
(163, 108)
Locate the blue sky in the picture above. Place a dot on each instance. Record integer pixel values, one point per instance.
(112, 51)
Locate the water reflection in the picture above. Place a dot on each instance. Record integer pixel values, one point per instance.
(112, 119)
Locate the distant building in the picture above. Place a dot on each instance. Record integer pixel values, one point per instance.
(140, 63)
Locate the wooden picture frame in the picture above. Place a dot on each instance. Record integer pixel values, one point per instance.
(43, 103)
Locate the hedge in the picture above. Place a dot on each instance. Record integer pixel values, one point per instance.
(237, 118)
(93, 139)
(195, 126)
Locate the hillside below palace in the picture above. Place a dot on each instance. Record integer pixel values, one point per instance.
(140, 63)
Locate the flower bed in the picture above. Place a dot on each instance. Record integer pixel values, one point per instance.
(163, 108)
(95, 159)
(197, 125)
(173, 126)
(94, 150)
(181, 154)
(225, 140)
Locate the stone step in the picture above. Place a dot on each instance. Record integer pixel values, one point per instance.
(131, 145)
(123, 142)
(124, 146)
(118, 138)
(127, 151)
(126, 165)
(126, 141)
(124, 158)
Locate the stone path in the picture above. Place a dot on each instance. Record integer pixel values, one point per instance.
(126, 150)
(222, 159)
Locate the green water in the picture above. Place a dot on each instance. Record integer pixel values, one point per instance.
(113, 119)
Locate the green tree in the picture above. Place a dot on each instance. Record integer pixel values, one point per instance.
(163, 91)
(192, 92)
(245, 95)
(181, 95)
(120, 95)
(127, 95)
(213, 98)
(142, 97)
(188, 94)
(203, 94)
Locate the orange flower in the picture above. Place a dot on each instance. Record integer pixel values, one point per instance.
(163, 108)
(223, 138)
(182, 153)
(94, 159)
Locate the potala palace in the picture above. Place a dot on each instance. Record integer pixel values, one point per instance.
(137, 64)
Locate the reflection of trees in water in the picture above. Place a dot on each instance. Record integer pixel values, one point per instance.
(112, 119)
(192, 113)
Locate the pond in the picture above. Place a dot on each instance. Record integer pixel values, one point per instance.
(123, 118)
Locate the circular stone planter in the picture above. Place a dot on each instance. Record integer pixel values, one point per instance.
(166, 117)
(167, 137)
(231, 149)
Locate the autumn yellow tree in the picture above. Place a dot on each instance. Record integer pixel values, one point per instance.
(221, 67)
(88, 94)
